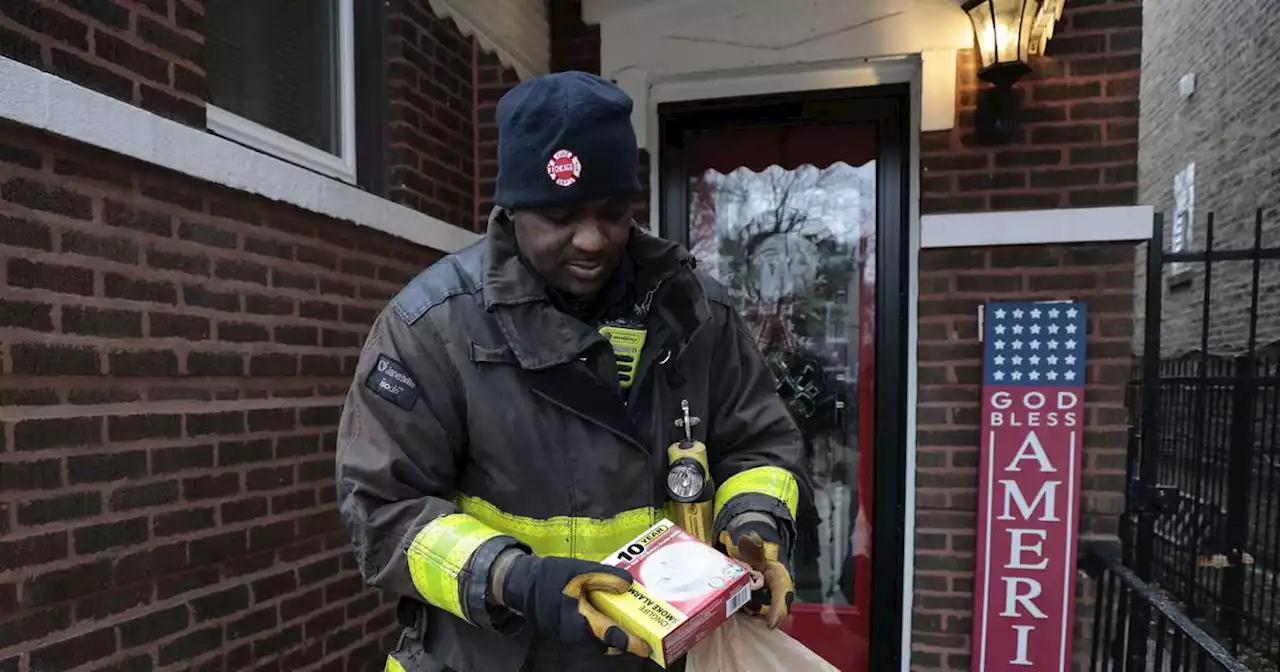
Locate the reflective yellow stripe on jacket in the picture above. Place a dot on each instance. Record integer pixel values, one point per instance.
(438, 555)
(775, 482)
(393, 665)
(564, 536)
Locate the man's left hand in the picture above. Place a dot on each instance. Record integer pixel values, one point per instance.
(759, 545)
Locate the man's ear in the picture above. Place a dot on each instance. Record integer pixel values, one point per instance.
(515, 220)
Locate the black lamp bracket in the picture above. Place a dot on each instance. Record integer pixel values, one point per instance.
(997, 114)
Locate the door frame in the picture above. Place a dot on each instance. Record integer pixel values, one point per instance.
(888, 106)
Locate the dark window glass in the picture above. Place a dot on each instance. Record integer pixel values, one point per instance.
(275, 62)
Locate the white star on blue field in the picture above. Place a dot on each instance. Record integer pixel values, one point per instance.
(1034, 344)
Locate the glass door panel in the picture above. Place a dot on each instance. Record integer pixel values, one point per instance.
(794, 242)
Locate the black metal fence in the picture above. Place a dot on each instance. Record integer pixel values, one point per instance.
(1135, 627)
(1216, 544)
(1201, 534)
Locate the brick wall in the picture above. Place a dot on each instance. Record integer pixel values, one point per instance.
(444, 90)
(174, 358)
(574, 44)
(953, 283)
(1077, 147)
(492, 81)
(145, 52)
(1230, 129)
(430, 71)
(1078, 141)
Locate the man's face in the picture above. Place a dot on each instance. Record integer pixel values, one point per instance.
(575, 249)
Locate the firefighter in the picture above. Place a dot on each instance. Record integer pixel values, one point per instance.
(496, 444)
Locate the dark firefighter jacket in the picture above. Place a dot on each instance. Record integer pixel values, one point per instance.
(477, 420)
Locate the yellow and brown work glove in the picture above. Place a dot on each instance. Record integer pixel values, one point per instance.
(759, 545)
(552, 594)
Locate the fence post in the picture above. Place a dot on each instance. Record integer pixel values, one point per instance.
(1149, 448)
(1239, 462)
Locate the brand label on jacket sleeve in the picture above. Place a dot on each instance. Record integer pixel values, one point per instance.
(391, 381)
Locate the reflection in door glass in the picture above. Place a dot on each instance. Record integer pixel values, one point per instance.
(795, 248)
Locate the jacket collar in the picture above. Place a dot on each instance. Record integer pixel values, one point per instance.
(541, 336)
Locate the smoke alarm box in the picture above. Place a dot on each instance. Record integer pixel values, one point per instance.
(683, 590)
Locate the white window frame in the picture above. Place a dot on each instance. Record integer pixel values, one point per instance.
(252, 134)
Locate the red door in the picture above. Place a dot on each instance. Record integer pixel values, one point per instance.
(785, 216)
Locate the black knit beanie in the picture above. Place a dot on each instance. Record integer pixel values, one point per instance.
(565, 139)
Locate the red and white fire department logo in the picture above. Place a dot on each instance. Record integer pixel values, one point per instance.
(564, 167)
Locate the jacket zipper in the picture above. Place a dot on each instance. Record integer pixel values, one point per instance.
(645, 364)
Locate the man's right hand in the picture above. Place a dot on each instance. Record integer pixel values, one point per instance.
(552, 594)
(758, 544)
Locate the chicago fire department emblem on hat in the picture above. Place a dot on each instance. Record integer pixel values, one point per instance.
(564, 168)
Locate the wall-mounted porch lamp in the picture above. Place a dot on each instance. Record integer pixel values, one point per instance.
(1007, 34)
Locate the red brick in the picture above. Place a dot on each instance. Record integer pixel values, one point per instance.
(169, 40)
(164, 193)
(107, 536)
(76, 651)
(48, 21)
(21, 156)
(205, 234)
(190, 263)
(104, 11)
(120, 52)
(191, 645)
(91, 74)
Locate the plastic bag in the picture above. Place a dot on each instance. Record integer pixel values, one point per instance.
(746, 644)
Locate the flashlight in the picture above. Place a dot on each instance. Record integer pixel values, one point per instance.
(685, 480)
(689, 485)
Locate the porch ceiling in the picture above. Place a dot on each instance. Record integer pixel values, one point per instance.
(791, 30)
(648, 42)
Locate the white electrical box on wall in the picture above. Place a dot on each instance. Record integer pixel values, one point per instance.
(1187, 85)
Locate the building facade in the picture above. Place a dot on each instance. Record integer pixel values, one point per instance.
(1209, 145)
(196, 232)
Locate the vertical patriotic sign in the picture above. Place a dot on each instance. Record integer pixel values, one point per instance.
(1029, 485)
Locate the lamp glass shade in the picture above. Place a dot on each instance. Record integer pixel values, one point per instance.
(1002, 29)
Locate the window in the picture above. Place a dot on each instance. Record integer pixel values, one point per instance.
(280, 77)
(1184, 200)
